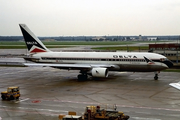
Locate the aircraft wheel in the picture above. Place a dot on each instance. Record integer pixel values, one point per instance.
(3, 97)
(82, 77)
(156, 77)
(11, 97)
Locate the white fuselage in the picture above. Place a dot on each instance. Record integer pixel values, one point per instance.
(123, 61)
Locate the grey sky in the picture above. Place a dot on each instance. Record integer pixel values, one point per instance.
(91, 17)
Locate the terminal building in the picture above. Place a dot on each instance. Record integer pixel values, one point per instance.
(171, 51)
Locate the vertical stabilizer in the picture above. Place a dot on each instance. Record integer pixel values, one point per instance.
(33, 44)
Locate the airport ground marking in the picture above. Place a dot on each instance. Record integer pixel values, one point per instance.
(98, 103)
(22, 100)
(140, 118)
(31, 110)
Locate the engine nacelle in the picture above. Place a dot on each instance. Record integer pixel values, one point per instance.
(99, 72)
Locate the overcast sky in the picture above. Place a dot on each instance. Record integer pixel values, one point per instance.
(90, 17)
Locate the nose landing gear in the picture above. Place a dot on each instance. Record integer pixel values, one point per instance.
(156, 76)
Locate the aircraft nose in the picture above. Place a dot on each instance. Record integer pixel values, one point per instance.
(168, 63)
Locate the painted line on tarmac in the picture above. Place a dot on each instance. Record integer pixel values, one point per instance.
(140, 118)
(22, 100)
(97, 103)
(32, 110)
(150, 108)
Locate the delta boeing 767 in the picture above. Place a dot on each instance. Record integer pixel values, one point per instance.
(96, 64)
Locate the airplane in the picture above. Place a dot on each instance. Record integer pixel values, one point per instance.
(95, 64)
(175, 85)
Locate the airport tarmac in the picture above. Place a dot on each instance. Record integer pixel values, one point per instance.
(47, 92)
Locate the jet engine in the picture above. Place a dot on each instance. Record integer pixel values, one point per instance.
(99, 72)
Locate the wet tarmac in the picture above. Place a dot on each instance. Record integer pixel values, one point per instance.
(47, 92)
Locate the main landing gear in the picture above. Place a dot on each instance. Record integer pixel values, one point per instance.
(156, 76)
(82, 77)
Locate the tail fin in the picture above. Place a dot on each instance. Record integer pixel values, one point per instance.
(33, 44)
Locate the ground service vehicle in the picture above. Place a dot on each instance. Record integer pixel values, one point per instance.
(95, 113)
(11, 93)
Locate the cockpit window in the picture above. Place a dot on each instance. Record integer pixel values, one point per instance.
(163, 59)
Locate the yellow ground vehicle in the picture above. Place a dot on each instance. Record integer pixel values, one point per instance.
(95, 113)
(11, 93)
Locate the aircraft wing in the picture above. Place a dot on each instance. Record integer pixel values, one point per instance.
(175, 85)
(70, 66)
